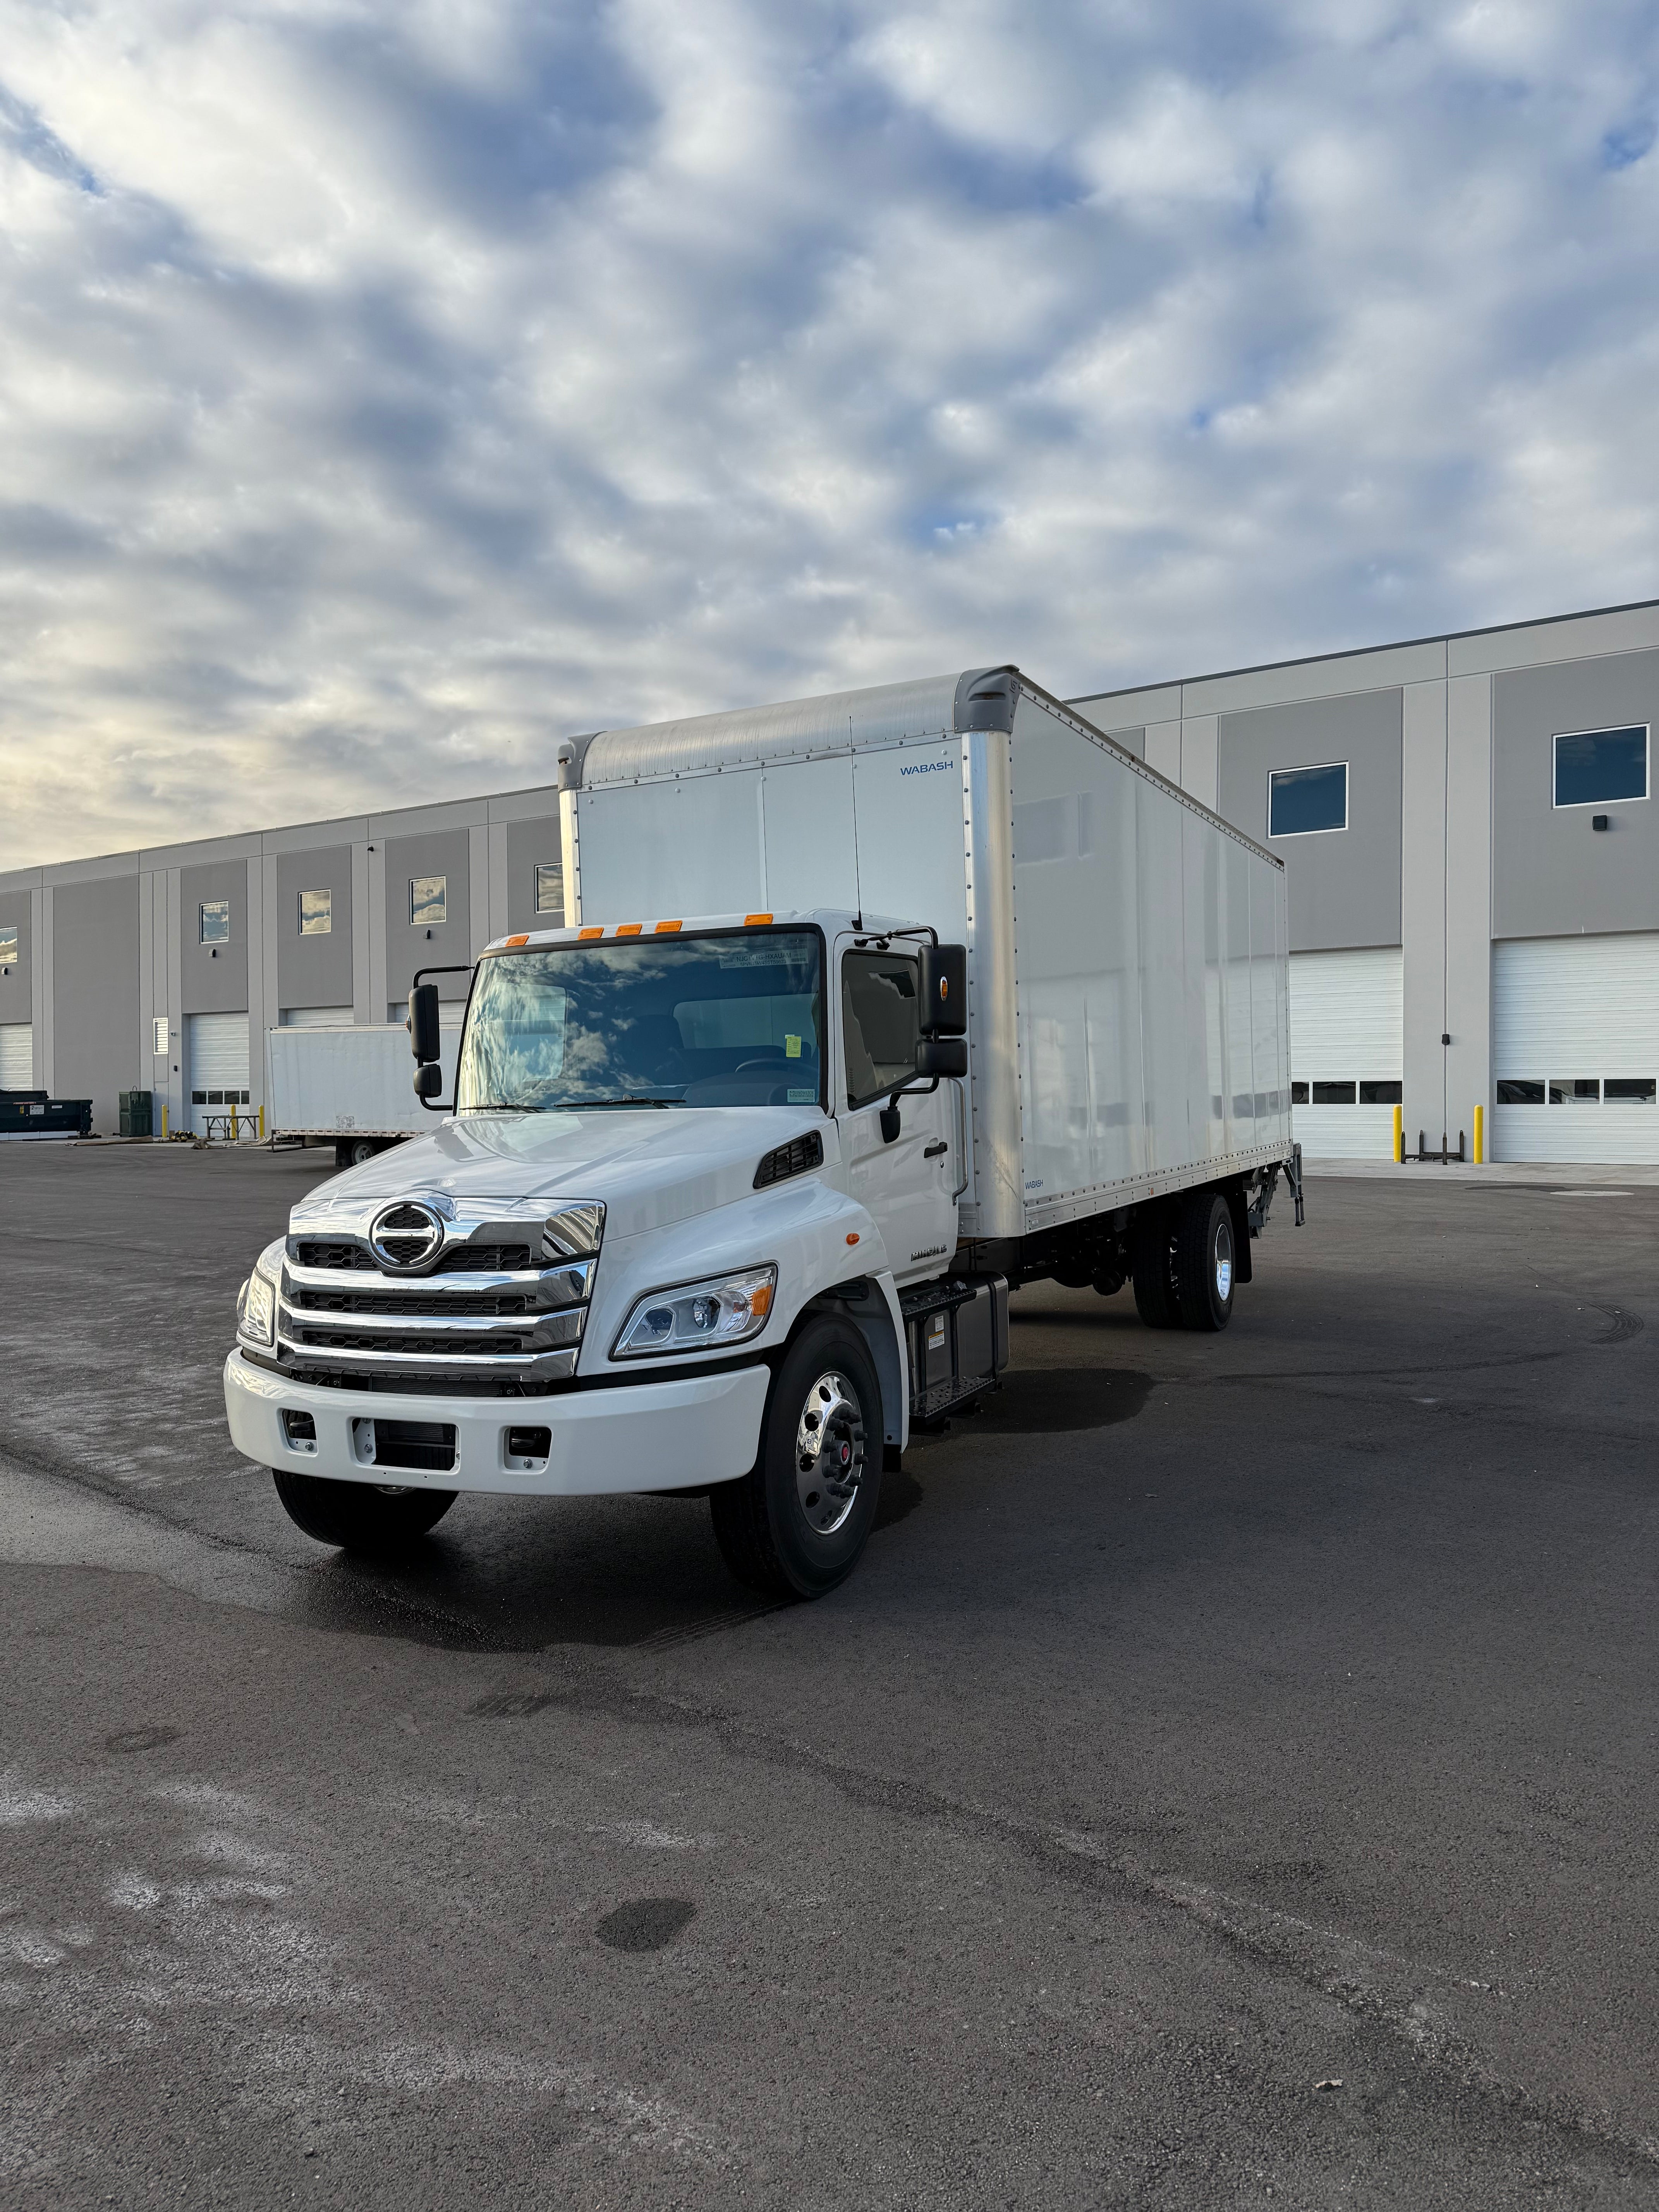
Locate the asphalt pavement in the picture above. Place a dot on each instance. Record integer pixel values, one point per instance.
(1228, 1780)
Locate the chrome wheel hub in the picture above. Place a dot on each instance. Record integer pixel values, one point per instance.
(1223, 1261)
(829, 1453)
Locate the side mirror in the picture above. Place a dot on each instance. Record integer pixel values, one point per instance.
(428, 1079)
(941, 1056)
(943, 1011)
(423, 1027)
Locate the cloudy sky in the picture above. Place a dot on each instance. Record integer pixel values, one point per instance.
(389, 387)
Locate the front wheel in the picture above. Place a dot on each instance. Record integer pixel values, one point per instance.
(360, 1516)
(794, 1525)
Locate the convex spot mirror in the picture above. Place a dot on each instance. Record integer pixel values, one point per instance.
(428, 1079)
(423, 1029)
(944, 1010)
(941, 1056)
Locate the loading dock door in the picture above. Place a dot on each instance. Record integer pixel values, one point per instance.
(16, 1056)
(218, 1066)
(1576, 1049)
(1348, 1051)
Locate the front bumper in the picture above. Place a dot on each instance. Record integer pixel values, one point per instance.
(633, 1437)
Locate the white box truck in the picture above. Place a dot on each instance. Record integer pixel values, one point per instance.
(865, 1008)
(348, 1085)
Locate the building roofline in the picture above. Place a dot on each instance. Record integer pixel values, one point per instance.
(1361, 652)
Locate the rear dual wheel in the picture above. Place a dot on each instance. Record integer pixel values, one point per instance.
(1184, 1269)
(794, 1525)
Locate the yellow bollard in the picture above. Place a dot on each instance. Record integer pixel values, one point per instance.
(1480, 1136)
(1398, 1136)
(164, 1121)
(232, 1122)
(262, 1125)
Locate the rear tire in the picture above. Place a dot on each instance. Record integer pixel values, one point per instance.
(1155, 1299)
(360, 1516)
(354, 1151)
(1206, 1269)
(793, 1526)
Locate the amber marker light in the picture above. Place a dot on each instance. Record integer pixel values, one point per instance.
(760, 1299)
(852, 1235)
(666, 928)
(628, 929)
(750, 920)
(525, 939)
(590, 932)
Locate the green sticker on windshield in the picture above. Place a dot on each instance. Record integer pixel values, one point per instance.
(802, 1098)
(792, 1048)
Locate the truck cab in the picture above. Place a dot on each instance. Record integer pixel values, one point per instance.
(688, 1223)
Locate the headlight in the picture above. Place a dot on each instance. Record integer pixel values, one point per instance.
(697, 1317)
(255, 1302)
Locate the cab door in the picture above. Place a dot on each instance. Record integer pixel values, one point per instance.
(908, 1185)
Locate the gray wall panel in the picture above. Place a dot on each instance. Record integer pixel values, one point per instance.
(211, 986)
(94, 981)
(440, 853)
(529, 843)
(16, 999)
(313, 971)
(1344, 885)
(1552, 875)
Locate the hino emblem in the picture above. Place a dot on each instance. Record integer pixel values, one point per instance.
(407, 1236)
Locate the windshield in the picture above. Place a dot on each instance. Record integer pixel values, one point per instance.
(732, 1020)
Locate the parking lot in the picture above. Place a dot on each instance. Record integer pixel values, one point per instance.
(1229, 1778)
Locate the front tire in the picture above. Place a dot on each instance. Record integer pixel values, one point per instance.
(1205, 1267)
(360, 1516)
(793, 1526)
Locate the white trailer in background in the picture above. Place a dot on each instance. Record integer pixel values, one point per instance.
(347, 1085)
(865, 1009)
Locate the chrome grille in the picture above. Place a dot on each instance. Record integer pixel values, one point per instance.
(499, 1309)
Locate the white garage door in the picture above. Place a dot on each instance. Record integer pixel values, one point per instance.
(317, 1018)
(1576, 1049)
(1348, 1051)
(16, 1056)
(218, 1065)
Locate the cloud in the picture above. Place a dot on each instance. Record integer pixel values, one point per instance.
(387, 390)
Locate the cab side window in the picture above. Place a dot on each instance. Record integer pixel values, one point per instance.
(880, 1018)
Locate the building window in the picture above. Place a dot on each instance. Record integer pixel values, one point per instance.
(1594, 766)
(1298, 1094)
(1575, 1090)
(550, 890)
(215, 921)
(1333, 1093)
(316, 914)
(428, 897)
(1629, 1090)
(1303, 800)
(1517, 1092)
(1381, 1094)
(8, 946)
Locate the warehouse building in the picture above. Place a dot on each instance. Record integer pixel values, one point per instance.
(1471, 854)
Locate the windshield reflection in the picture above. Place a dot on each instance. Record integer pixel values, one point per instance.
(732, 1020)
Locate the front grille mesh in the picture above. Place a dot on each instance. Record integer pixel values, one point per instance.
(490, 1305)
(459, 1259)
(344, 1340)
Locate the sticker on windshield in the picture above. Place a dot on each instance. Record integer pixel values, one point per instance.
(802, 1098)
(792, 1048)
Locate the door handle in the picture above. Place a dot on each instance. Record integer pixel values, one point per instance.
(933, 1152)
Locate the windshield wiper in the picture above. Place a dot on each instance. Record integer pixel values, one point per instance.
(626, 1099)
